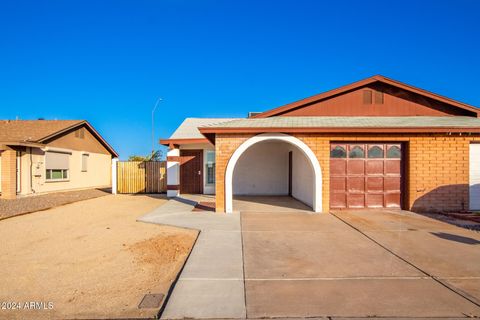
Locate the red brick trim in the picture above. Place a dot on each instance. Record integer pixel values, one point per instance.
(173, 187)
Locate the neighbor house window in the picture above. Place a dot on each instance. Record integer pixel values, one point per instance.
(57, 174)
(210, 167)
(57, 165)
(85, 162)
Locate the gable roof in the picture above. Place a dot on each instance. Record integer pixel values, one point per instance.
(315, 124)
(32, 130)
(37, 132)
(188, 132)
(362, 83)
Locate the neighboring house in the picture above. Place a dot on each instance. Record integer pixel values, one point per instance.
(41, 156)
(376, 143)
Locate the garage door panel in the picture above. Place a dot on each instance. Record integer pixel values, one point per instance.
(356, 200)
(374, 167)
(338, 200)
(392, 200)
(356, 167)
(374, 200)
(338, 167)
(338, 184)
(392, 184)
(366, 175)
(356, 184)
(392, 167)
(375, 184)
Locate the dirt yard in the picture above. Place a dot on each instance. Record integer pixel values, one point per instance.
(15, 207)
(89, 259)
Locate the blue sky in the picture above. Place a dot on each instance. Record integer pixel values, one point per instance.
(108, 61)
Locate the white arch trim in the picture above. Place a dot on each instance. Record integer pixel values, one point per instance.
(317, 186)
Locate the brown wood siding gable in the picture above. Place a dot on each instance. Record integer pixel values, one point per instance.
(387, 97)
(79, 139)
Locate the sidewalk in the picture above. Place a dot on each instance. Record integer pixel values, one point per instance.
(211, 284)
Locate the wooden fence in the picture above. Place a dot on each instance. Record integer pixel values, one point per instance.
(141, 176)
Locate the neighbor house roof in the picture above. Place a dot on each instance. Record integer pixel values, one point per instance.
(188, 132)
(32, 130)
(37, 132)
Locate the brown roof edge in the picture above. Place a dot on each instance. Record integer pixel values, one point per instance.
(167, 142)
(362, 83)
(212, 130)
(91, 128)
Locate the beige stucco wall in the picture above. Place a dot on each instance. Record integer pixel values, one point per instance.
(97, 175)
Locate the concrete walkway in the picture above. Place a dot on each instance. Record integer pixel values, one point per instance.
(211, 284)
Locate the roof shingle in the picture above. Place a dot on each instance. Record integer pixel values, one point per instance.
(352, 122)
(32, 130)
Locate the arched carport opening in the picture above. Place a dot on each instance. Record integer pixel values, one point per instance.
(260, 166)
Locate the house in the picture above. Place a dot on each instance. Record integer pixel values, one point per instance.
(376, 143)
(42, 156)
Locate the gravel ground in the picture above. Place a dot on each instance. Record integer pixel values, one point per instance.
(10, 208)
(467, 224)
(89, 259)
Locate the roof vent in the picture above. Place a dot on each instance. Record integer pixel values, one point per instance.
(252, 114)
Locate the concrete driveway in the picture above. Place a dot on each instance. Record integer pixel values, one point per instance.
(282, 261)
(358, 264)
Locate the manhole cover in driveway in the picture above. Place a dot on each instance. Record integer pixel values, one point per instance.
(151, 301)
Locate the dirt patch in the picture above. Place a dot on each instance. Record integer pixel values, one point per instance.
(90, 259)
(15, 207)
(165, 250)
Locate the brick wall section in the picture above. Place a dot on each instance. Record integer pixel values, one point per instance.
(9, 174)
(437, 171)
(225, 146)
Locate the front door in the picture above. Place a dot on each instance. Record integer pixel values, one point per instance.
(191, 171)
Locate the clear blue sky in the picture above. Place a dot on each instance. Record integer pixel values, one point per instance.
(108, 61)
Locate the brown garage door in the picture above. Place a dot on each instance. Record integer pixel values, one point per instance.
(365, 175)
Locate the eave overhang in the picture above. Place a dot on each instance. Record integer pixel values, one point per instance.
(170, 142)
(210, 132)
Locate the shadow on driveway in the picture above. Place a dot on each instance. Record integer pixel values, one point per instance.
(454, 237)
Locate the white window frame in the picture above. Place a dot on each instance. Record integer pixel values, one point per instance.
(57, 180)
(206, 168)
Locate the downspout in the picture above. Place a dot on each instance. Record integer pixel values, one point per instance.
(31, 171)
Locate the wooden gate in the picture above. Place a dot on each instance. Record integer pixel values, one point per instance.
(141, 176)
